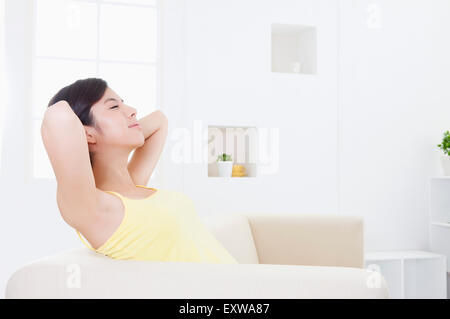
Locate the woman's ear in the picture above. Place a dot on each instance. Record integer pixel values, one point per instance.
(90, 136)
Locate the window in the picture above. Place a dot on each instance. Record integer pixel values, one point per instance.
(76, 39)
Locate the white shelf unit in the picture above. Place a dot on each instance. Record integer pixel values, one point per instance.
(294, 48)
(411, 274)
(439, 215)
(241, 142)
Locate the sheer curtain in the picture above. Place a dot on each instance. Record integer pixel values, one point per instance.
(2, 76)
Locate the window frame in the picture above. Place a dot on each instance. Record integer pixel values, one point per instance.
(156, 176)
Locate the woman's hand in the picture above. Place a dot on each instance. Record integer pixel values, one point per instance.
(153, 122)
(144, 159)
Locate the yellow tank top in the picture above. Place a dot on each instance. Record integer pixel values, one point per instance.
(162, 227)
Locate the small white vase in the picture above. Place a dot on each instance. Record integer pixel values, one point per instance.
(225, 168)
(445, 162)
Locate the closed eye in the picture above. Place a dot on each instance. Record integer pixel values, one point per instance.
(114, 106)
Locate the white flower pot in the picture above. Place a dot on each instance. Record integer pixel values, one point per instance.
(445, 161)
(225, 168)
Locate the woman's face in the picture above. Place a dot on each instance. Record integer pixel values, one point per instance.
(112, 120)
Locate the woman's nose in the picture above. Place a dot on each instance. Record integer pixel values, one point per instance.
(133, 111)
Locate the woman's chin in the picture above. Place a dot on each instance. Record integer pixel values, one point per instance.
(142, 142)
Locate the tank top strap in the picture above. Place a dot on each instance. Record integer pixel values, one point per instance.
(84, 242)
(146, 187)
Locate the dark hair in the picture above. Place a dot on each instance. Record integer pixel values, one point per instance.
(81, 95)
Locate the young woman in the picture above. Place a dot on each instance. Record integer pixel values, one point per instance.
(89, 132)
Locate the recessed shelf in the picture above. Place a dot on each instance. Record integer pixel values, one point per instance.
(238, 141)
(294, 48)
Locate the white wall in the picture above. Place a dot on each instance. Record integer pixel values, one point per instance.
(393, 109)
(357, 138)
(229, 80)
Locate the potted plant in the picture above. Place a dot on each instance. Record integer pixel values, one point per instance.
(445, 159)
(225, 165)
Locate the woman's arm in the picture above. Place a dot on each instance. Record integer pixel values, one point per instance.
(65, 142)
(144, 159)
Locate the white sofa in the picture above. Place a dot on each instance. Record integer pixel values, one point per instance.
(280, 256)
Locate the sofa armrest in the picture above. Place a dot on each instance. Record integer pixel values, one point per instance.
(82, 273)
(306, 239)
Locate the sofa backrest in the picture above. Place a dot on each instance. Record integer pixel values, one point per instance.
(308, 239)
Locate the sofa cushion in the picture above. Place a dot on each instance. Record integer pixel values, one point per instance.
(233, 232)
